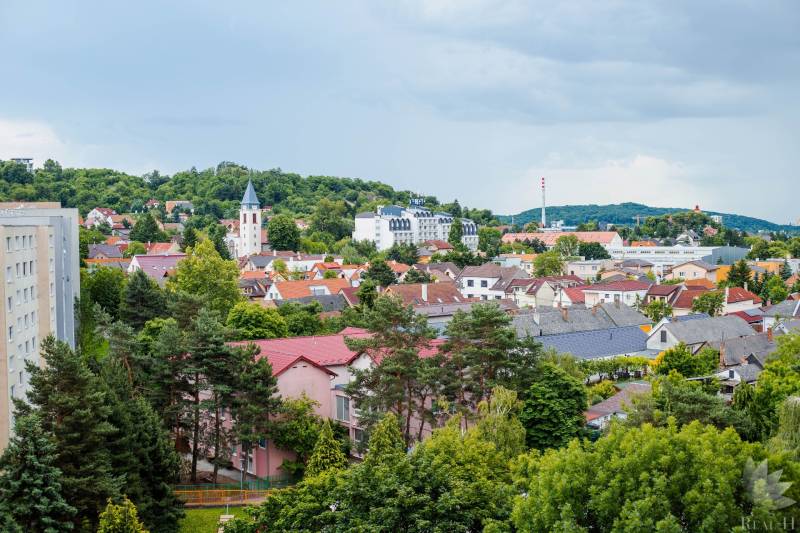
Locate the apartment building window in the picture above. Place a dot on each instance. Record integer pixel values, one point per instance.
(21, 377)
(19, 297)
(10, 333)
(484, 283)
(663, 336)
(8, 274)
(358, 436)
(10, 305)
(30, 268)
(33, 342)
(470, 283)
(27, 321)
(25, 295)
(18, 269)
(8, 244)
(33, 318)
(33, 295)
(16, 242)
(262, 443)
(343, 408)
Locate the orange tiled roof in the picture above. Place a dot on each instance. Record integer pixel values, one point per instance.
(301, 288)
(702, 282)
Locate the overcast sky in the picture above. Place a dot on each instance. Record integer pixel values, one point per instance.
(666, 103)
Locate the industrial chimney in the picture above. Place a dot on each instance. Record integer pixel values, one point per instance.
(544, 206)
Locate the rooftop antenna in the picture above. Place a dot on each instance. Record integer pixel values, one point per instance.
(544, 206)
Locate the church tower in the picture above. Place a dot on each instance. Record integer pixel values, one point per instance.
(249, 223)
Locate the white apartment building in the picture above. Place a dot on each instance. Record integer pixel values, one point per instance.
(39, 264)
(411, 225)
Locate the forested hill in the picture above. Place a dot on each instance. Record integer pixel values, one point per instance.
(626, 213)
(214, 191)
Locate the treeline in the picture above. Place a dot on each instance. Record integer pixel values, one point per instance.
(213, 191)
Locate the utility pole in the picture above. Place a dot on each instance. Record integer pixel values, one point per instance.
(544, 206)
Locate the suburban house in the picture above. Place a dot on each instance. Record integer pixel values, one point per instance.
(437, 246)
(183, 205)
(331, 304)
(664, 293)
(158, 267)
(439, 315)
(98, 216)
(600, 414)
(541, 292)
(445, 271)
(608, 239)
(589, 270)
(628, 292)
(294, 261)
(696, 333)
(544, 321)
(784, 311)
(426, 293)
(641, 266)
(569, 296)
(600, 343)
(162, 248)
(693, 270)
(487, 281)
(284, 290)
(523, 261)
(104, 251)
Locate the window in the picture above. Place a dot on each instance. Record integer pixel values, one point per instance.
(262, 443)
(25, 294)
(10, 332)
(358, 436)
(663, 336)
(254, 218)
(470, 283)
(343, 408)
(484, 283)
(8, 244)
(10, 303)
(8, 274)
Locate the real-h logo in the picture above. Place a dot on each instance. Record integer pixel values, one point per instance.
(765, 489)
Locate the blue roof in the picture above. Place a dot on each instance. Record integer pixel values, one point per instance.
(250, 197)
(598, 343)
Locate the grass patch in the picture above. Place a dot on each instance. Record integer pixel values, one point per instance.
(205, 520)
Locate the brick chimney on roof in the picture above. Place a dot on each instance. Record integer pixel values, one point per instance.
(770, 336)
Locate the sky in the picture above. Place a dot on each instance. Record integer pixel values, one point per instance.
(665, 103)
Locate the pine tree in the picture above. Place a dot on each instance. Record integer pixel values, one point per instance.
(146, 230)
(189, 238)
(120, 518)
(30, 487)
(327, 454)
(786, 270)
(386, 441)
(456, 232)
(142, 300)
(740, 274)
(74, 409)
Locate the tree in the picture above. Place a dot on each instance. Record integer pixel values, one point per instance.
(142, 300)
(30, 481)
(489, 241)
(296, 429)
(302, 319)
(786, 270)
(327, 454)
(252, 321)
(553, 407)
(548, 264)
(74, 409)
(120, 518)
(331, 217)
(134, 248)
(367, 293)
(657, 309)
(637, 479)
(456, 232)
(740, 274)
(759, 249)
(711, 303)
(417, 276)
(283, 233)
(105, 286)
(593, 250)
(190, 238)
(403, 253)
(146, 230)
(207, 275)
(380, 273)
(775, 290)
(567, 246)
(680, 359)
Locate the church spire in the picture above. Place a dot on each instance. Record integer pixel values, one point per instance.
(250, 199)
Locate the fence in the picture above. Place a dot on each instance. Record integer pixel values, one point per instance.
(217, 497)
(266, 483)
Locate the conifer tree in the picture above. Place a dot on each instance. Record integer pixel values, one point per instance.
(146, 230)
(386, 441)
(327, 454)
(120, 518)
(30, 487)
(189, 238)
(142, 300)
(456, 232)
(74, 409)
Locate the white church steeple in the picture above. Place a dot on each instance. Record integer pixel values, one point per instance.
(249, 223)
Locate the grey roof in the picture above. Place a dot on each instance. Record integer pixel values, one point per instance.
(329, 302)
(709, 329)
(736, 351)
(552, 321)
(250, 197)
(109, 250)
(748, 373)
(789, 308)
(693, 316)
(699, 263)
(598, 343)
(366, 214)
(633, 263)
(262, 261)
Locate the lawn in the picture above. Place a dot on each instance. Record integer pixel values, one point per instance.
(205, 520)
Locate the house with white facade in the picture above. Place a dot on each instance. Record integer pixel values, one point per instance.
(415, 224)
(628, 292)
(697, 332)
(664, 257)
(488, 281)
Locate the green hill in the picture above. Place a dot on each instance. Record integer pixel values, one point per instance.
(626, 214)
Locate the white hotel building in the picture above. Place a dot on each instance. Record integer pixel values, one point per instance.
(412, 225)
(664, 257)
(40, 283)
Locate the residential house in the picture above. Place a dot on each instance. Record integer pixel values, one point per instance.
(608, 239)
(295, 262)
(589, 270)
(426, 293)
(630, 292)
(487, 281)
(437, 246)
(445, 271)
(104, 251)
(98, 216)
(94, 264)
(664, 293)
(162, 248)
(695, 333)
(283, 290)
(641, 266)
(331, 304)
(544, 291)
(600, 414)
(693, 270)
(781, 312)
(739, 299)
(544, 321)
(439, 315)
(399, 269)
(625, 341)
(255, 289)
(158, 267)
(183, 205)
(523, 261)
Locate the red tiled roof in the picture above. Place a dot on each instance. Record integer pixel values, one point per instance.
(627, 285)
(750, 319)
(438, 244)
(575, 294)
(159, 248)
(350, 294)
(738, 294)
(701, 282)
(687, 296)
(324, 350)
(398, 268)
(438, 293)
(253, 274)
(662, 290)
(328, 266)
(642, 243)
(301, 288)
